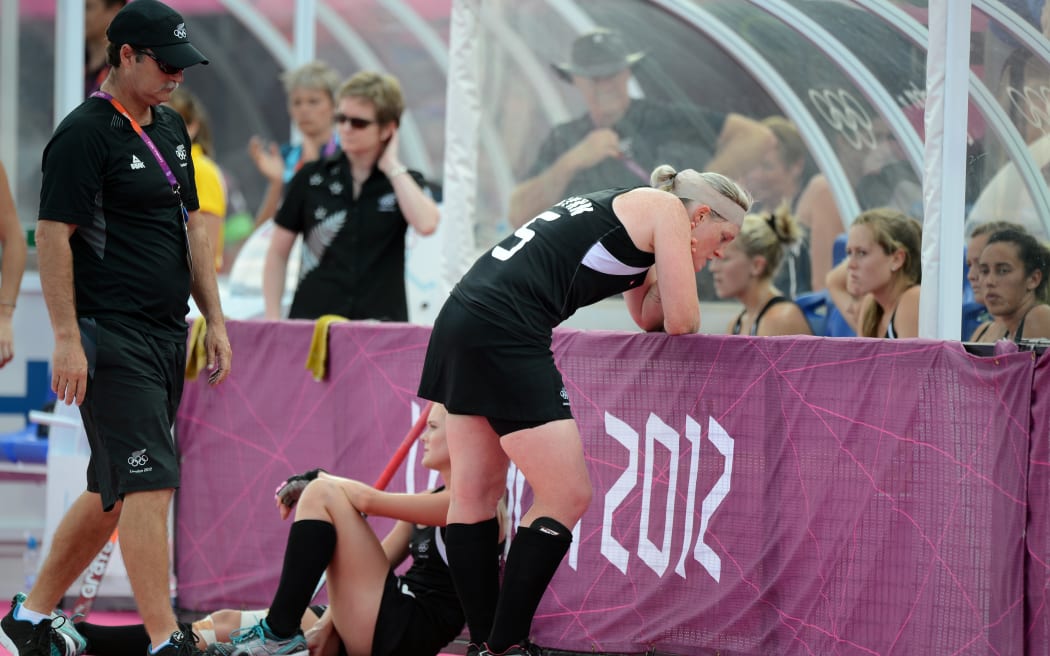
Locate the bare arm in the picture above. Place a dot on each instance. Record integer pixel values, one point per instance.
(427, 508)
(268, 160)
(548, 187)
(395, 544)
(206, 293)
(13, 248)
(419, 209)
(741, 145)
(69, 364)
(817, 210)
(643, 302)
(659, 221)
(274, 270)
(847, 304)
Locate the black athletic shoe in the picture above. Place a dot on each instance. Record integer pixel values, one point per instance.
(23, 638)
(473, 650)
(179, 644)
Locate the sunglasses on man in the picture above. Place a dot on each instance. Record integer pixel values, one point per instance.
(164, 67)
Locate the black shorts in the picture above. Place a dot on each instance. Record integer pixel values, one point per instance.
(133, 391)
(475, 366)
(410, 626)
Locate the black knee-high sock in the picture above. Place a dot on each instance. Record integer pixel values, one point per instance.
(131, 640)
(473, 561)
(535, 554)
(311, 543)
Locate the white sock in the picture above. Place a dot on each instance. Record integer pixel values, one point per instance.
(23, 614)
(154, 650)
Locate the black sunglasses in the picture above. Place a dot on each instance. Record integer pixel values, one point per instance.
(356, 122)
(164, 67)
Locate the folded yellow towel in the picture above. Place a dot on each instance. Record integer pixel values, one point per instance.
(317, 359)
(196, 352)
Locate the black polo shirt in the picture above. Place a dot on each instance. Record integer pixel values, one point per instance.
(651, 133)
(129, 249)
(353, 250)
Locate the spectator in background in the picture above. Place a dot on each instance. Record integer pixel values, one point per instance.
(745, 273)
(777, 179)
(978, 240)
(352, 208)
(97, 16)
(311, 102)
(211, 186)
(620, 140)
(1013, 274)
(876, 288)
(12, 266)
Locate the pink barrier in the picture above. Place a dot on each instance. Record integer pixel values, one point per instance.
(752, 495)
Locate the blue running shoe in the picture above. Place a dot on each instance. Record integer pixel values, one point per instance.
(259, 641)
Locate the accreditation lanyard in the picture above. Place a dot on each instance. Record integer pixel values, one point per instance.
(175, 187)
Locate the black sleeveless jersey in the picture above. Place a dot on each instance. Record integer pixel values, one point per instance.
(570, 256)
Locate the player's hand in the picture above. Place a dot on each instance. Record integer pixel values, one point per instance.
(288, 492)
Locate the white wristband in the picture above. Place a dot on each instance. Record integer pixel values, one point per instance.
(396, 171)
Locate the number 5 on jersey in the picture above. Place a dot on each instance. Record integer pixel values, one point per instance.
(524, 233)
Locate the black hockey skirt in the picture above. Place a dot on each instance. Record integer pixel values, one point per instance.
(476, 366)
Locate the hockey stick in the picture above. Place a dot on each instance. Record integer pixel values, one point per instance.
(391, 467)
(93, 577)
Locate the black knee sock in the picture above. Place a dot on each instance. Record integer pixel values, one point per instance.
(534, 556)
(131, 640)
(311, 543)
(473, 561)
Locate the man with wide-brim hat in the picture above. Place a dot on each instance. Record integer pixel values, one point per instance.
(599, 53)
(620, 140)
(122, 246)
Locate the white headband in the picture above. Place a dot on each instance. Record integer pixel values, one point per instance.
(702, 192)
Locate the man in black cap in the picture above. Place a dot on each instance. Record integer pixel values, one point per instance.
(620, 140)
(121, 247)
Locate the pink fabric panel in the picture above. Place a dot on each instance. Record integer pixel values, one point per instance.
(752, 495)
(1037, 558)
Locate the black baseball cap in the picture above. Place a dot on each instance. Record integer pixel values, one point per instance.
(155, 25)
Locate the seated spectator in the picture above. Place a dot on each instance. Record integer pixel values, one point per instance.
(978, 240)
(876, 288)
(311, 102)
(1014, 268)
(777, 179)
(12, 266)
(620, 140)
(745, 273)
(211, 185)
(352, 208)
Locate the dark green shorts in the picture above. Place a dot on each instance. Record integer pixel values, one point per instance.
(133, 392)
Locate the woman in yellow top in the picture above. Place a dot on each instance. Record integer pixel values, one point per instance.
(211, 187)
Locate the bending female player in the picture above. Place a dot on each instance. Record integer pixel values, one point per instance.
(372, 611)
(489, 361)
